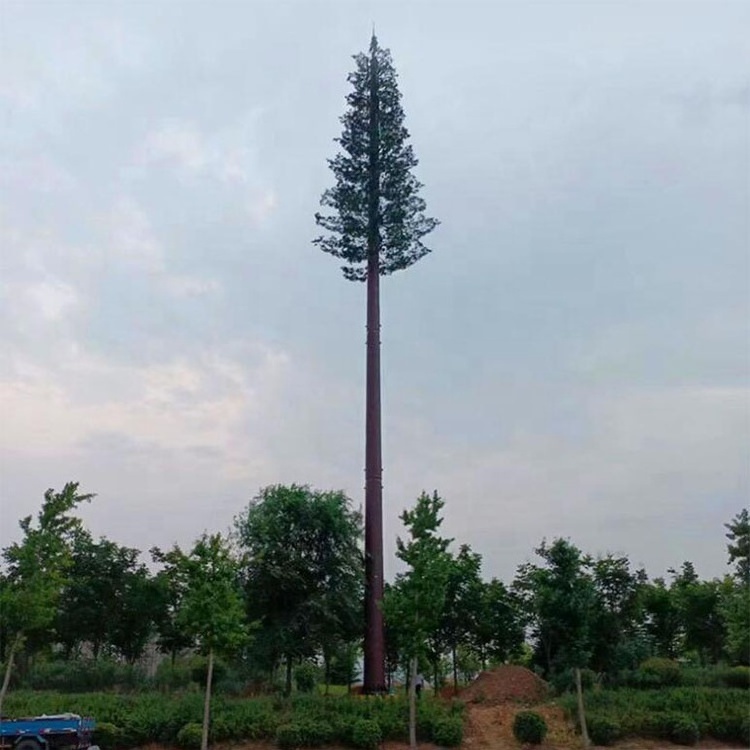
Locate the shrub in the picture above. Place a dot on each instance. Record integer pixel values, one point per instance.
(107, 736)
(737, 677)
(366, 734)
(565, 681)
(683, 730)
(173, 676)
(289, 736)
(665, 671)
(316, 733)
(190, 736)
(603, 730)
(448, 732)
(306, 676)
(83, 675)
(529, 727)
(199, 670)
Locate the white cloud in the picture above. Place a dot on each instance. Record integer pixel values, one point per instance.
(51, 298)
(223, 155)
(179, 405)
(130, 237)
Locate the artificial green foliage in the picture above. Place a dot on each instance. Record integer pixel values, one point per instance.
(375, 204)
(529, 727)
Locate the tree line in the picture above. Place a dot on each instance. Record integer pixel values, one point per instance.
(286, 587)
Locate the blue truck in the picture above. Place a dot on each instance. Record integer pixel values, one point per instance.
(56, 732)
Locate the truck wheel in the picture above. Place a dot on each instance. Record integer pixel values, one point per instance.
(28, 744)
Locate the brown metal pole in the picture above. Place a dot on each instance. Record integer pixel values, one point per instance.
(374, 671)
(374, 677)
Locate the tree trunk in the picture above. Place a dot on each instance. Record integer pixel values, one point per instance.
(207, 701)
(8, 668)
(455, 671)
(374, 656)
(581, 710)
(413, 704)
(288, 683)
(327, 672)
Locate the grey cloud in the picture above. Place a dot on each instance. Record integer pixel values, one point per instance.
(549, 368)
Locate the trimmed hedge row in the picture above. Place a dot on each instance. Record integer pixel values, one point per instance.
(681, 715)
(657, 673)
(127, 721)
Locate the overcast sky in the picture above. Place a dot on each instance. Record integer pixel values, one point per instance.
(571, 360)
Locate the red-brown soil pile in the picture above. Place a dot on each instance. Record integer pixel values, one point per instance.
(505, 684)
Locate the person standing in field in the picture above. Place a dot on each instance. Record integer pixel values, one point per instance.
(418, 684)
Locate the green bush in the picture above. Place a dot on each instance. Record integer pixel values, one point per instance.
(718, 713)
(665, 671)
(529, 727)
(683, 730)
(565, 681)
(173, 676)
(289, 736)
(158, 717)
(84, 675)
(603, 730)
(199, 670)
(306, 676)
(190, 736)
(316, 733)
(737, 677)
(448, 732)
(107, 736)
(366, 734)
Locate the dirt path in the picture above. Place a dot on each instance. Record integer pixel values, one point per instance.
(491, 727)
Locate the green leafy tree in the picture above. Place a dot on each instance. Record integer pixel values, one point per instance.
(661, 618)
(735, 609)
(302, 570)
(617, 637)
(37, 570)
(418, 599)
(499, 630)
(375, 223)
(698, 605)
(462, 610)
(109, 600)
(558, 598)
(735, 599)
(212, 611)
(170, 586)
(738, 533)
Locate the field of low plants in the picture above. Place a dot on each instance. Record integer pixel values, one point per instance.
(131, 720)
(683, 715)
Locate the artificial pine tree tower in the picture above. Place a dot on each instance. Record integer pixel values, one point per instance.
(375, 225)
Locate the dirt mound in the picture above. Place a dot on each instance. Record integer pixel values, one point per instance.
(505, 684)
